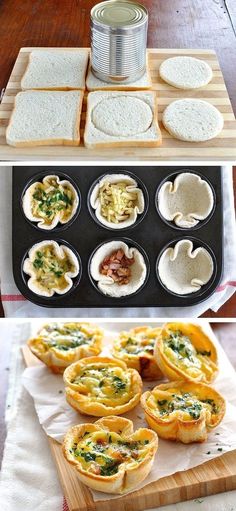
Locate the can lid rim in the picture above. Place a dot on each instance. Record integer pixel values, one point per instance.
(126, 25)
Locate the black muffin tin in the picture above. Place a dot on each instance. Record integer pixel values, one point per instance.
(85, 235)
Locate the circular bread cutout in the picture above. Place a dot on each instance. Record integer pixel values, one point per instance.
(122, 116)
(185, 201)
(106, 283)
(185, 72)
(192, 120)
(184, 269)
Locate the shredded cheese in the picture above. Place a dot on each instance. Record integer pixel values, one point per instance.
(116, 203)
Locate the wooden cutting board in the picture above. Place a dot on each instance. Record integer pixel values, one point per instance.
(221, 148)
(212, 477)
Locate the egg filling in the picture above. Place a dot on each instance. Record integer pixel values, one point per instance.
(51, 198)
(102, 453)
(104, 384)
(187, 405)
(139, 344)
(65, 337)
(50, 270)
(179, 349)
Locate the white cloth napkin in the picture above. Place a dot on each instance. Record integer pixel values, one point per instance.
(28, 480)
(16, 306)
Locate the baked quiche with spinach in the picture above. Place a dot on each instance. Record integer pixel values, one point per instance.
(102, 386)
(108, 455)
(184, 411)
(60, 344)
(185, 352)
(136, 349)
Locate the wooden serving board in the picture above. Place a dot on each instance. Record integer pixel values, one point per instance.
(222, 148)
(212, 477)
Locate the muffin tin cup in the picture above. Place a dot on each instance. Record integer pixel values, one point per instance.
(140, 216)
(39, 177)
(75, 280)
(196, 244)
(171, 223)
(84, 234)
(130, 243)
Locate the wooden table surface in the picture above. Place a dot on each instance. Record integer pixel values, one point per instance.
(225, 332)
(172, 24)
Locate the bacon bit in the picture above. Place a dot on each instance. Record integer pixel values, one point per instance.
(101, 441)
(118, 455)
(144, 342)
(117, 266)
(95, 468)
(135, 455)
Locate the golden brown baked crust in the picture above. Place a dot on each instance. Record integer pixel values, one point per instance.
(108, 455)
(183, 411)
(60, 344)
(136, 349)
(185, 352)
(102, 386)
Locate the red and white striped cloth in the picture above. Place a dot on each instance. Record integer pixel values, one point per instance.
(15, 305)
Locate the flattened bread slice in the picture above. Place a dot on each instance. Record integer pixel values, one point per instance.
(45, 118)
(185, 201)
(56, 70)
(184, 269)
(118, 119)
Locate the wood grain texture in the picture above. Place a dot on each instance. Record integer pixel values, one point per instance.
(212, 477)
(172, 23)
(220, 148)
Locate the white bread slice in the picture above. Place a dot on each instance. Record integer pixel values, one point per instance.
(192, 120)
(185, 72)
(45, 118)
(56, 70)
(119, 119)
(93, 83)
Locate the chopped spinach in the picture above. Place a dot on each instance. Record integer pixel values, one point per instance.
(205, 353)
(162, 402)
(118, 384)
(211, 402)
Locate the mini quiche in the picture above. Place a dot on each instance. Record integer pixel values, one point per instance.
(136, 349)
(184, 411)
(102, 386)
(185, 352)
(60, 344)
(108, 455)
(51, 268)
(50, 202)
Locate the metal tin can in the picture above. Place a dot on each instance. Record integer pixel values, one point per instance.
(118, 40)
